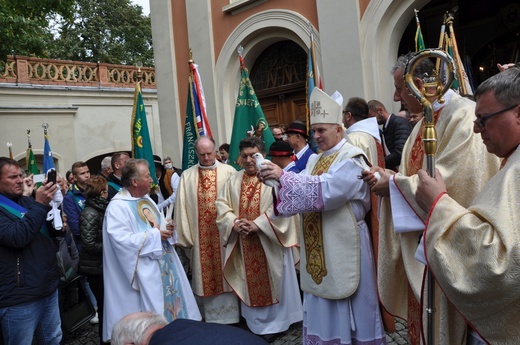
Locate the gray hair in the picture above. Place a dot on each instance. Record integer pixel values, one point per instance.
(423, 69)
(106, 162)
(504, 85)
(132, 328)
(130, 170)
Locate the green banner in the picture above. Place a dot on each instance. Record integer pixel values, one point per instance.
(141, 144)
(249, 119)
(32, 168)
(189, 158)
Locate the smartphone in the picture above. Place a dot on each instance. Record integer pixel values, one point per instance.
(51, 176)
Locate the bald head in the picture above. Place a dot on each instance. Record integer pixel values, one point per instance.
(206, 151)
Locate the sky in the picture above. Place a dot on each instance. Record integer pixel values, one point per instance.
(145, 4)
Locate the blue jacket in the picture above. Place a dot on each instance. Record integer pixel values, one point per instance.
(73, 209)
(301, 163)
(28, 268)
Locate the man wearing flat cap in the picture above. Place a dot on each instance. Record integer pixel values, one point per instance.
(337, 269)
(298, 138)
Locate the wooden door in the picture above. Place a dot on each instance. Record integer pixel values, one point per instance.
(279, 77)
(284, 108)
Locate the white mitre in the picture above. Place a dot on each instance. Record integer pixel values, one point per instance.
(324, 108)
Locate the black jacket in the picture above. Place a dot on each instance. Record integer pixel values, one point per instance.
(28, 268)
(113, 181)
(395, 134)
(91, 226)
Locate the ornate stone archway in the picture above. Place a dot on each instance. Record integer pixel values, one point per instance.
(255, 34)
(381, 29)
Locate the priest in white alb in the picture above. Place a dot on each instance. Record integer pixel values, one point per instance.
(141, 269)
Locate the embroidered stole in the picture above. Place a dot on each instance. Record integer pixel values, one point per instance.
(415, 163)
(313, 230)
(19, 211)
(255, 261)
(209, 238)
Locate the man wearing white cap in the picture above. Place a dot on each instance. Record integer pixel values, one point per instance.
(337, 269)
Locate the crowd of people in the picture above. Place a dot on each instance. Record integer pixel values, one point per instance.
(339, 236)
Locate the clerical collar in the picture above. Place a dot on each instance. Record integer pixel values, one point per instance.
(335, 148)
(209, 167)
(447, 97)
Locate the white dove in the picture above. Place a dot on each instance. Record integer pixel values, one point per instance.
(259, 158)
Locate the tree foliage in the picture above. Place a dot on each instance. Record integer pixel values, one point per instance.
(110, 31)
(24, 25)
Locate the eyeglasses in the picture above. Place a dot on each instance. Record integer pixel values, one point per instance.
(481, 121)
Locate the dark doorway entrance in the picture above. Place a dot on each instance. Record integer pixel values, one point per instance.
(487, 32)
(94, 163)
(279, 79)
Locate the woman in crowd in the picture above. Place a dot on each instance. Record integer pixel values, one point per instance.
(91, 226)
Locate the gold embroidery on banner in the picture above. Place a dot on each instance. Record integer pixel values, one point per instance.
(209, 239)
(313, 230)
(255, 261)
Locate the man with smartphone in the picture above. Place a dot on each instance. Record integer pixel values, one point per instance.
(29, 277)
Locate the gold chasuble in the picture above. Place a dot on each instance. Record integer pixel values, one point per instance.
(195, 217)
(313, 230)
(254, 256)
(253, 264)
(474, 253)
(466, 167)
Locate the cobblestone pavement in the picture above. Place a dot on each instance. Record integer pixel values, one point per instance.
(88, 335)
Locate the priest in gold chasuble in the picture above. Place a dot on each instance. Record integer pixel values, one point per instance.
(195, 219)
(466, 167)
(258, 261)
(337, 268)
(474, 250)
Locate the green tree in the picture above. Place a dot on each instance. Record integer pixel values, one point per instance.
(110, 31)
(24, 25)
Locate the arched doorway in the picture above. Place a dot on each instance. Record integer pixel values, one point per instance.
(94, 163)
(279, 79)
